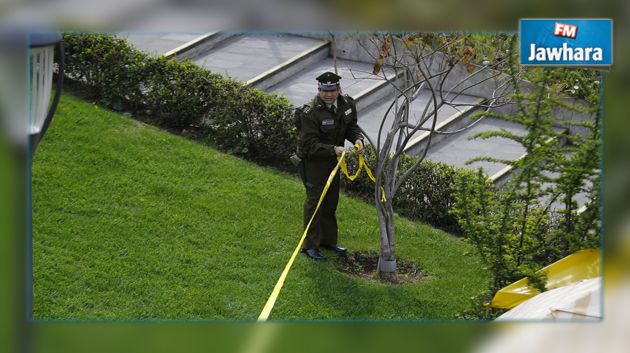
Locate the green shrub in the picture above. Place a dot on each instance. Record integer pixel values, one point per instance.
(427, 195)
(255, 125)
(534, 220)
(109, 66)
(181, 95)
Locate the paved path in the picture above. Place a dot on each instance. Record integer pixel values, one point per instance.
(246, 56)
(372, 116)
(158, 43)
(302, 87)
(458, 149)
(581, 198)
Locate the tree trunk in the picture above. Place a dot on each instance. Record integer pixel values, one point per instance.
(333, 44)
(387, 260)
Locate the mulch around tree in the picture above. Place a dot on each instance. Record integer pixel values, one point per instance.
(364, 265)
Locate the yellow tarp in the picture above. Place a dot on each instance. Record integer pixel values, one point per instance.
(583, 264)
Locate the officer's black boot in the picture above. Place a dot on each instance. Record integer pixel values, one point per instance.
(314, 254)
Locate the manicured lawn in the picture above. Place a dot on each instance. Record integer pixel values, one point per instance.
(130, 222)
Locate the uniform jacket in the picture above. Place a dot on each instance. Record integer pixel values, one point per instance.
(322, 130)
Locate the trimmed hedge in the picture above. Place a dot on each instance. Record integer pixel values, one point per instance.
(427, 195)
(246, 122)
(181, 95)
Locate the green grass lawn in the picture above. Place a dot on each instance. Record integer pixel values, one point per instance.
(130, 222)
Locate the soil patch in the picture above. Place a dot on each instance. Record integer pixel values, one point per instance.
(363, 264)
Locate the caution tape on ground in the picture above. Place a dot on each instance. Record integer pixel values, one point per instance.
(271, 301)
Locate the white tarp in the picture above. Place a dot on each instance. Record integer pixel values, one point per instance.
(578, 301)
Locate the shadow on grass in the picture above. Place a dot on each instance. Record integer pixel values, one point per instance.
(340, 296)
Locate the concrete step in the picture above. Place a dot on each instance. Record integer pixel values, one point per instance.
(199, 45)
(581, 198)
(287, 70)
(505, 174)
(156, 44)
(378, 92)
(448, 119)
(357, 81)
(371, 117)
(458, 149)
(246, 57)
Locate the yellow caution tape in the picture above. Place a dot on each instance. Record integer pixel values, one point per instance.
(276, 290)
(583, 264)
(264, 315)
(362, 165)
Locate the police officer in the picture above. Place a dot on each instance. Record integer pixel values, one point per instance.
(329, 120)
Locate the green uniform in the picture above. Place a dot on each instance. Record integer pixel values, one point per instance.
(322, 130)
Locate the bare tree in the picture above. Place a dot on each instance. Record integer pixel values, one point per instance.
(442, 66)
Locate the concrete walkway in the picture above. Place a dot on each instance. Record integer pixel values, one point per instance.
(372, 116)
(458, 149)
(157, 44)
(246, 56)
(581, 198)
(302, 87)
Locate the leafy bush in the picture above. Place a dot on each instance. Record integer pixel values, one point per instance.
(427, 195)
(255, 125)
(535, 220)
(108, 65)
(181, 95)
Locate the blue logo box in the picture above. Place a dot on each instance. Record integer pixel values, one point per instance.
(566, 42)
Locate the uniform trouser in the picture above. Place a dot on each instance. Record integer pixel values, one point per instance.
(323, 230)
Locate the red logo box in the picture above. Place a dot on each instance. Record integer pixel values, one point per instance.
(565, 30)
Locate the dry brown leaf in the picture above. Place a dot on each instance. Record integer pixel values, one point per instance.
(385, 49)
(377, 65)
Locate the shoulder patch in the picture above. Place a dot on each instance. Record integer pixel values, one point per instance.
(306, 109)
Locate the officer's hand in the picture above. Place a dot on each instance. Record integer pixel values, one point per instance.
(338, 150)
(360, 149)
